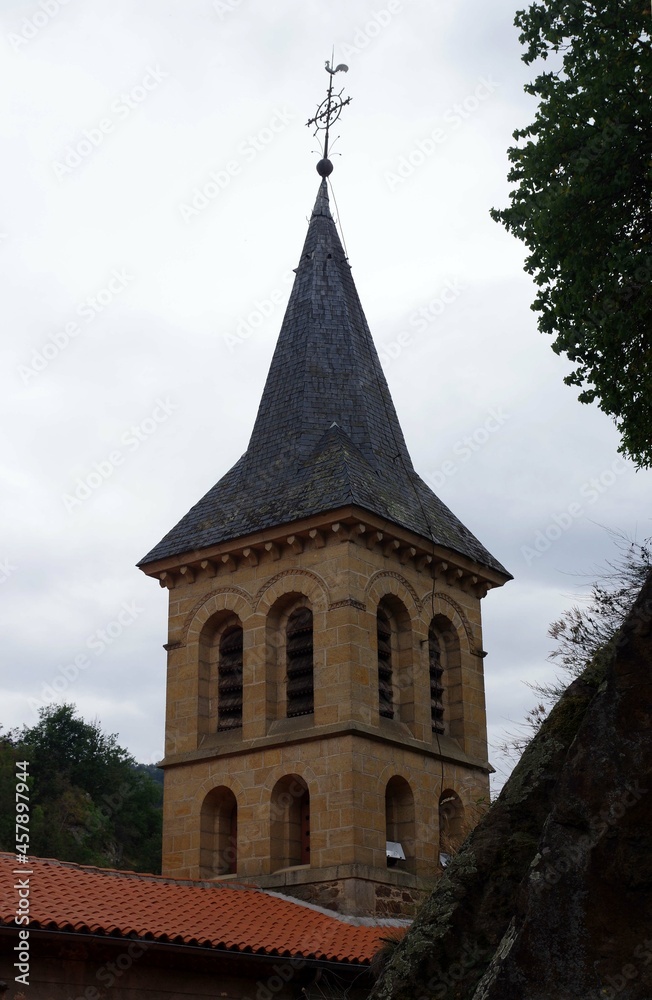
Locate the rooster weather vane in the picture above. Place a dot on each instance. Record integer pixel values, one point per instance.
(327, 114)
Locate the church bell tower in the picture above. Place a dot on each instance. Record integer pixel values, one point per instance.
(325, 721)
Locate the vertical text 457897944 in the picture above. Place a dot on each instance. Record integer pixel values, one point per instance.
(21, 885)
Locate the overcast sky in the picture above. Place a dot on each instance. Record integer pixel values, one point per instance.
(158, 179)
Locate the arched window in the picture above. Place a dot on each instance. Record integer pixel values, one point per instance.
(218, 849)
(451, 824)
(290, 823)
(445, 675)
(436, 680)
(299, 663)
(394, 642)
(385, 679)
(219, 704)
(399, 823)
(229, 694)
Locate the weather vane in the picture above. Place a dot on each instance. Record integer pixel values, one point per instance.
(327, 114)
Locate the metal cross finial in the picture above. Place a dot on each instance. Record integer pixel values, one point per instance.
(327, 114)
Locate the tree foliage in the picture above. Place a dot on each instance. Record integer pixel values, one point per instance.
(585, 628)
(90, 802)
(582, 204)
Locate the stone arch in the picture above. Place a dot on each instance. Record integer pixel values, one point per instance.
(444, 647)
(300, 581)
(289, 805)
(232, 782)
(400, 821)
(230, 676)
(452, 826)
(280, 598)
(390, 597)
(299, 661)
(303, 771)
(226, 599)
(228, 606)
(449, 608)
(395, 654)
(386, 582)
(206, 654)
(218, 833)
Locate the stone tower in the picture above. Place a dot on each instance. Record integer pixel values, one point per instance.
(325, 723)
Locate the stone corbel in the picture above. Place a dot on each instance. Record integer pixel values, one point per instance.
(441, 568)
(374, 538)
(317, 538)
(454, 577)
(230, 563)
(208, 568)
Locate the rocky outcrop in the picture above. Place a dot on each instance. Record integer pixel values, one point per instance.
(551, 895)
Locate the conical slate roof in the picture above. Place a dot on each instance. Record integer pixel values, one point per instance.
(326, 435)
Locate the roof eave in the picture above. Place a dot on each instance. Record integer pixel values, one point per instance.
(172, 569)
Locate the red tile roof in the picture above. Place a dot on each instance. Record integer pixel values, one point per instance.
(69, 897)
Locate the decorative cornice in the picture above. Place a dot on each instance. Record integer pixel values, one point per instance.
(350, 526)
(446, 750)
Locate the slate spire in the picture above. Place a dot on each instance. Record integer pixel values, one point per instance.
(327, 434)
(325, 368)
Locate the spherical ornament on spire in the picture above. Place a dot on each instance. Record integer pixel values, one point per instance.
(324, 167)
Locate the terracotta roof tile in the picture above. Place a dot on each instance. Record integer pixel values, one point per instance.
(66, 896)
